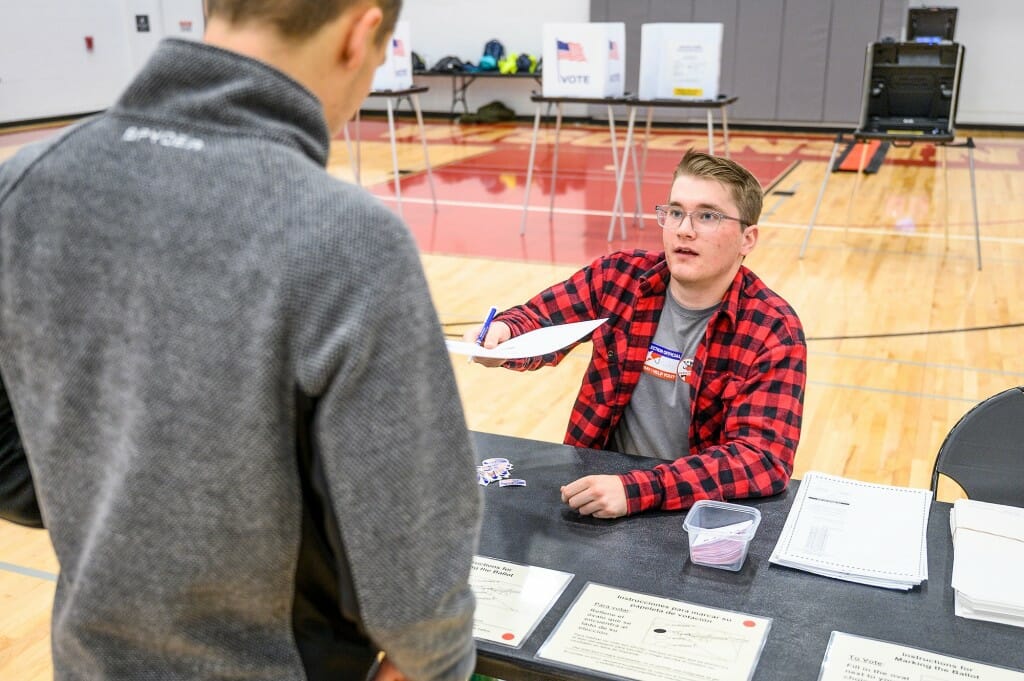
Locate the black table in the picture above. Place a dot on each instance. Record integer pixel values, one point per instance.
(648, 553)
(461, 80)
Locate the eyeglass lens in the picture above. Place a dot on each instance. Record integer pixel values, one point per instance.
(672, 218)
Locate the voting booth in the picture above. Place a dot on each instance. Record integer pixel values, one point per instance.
(584, 60)
(680, 61)
(911, 88)
(396, 71)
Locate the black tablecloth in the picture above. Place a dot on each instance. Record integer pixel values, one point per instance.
(648, 553)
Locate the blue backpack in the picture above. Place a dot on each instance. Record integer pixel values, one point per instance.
(494, 49)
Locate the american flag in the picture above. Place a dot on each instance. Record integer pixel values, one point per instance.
(397, 47)
(613, 50)
(570, 51)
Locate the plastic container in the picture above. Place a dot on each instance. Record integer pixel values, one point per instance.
(720, 533)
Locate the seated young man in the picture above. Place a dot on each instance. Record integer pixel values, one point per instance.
(699, 364)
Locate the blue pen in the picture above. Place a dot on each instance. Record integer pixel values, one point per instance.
(486, 327)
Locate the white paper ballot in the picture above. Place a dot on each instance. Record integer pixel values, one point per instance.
(511, 599)
(861, 532)
(855, 658)
(531, 344)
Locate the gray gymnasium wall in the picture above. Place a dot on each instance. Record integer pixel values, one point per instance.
(798, 62)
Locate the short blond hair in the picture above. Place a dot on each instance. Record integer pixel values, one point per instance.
(298, 19)
(745, 189)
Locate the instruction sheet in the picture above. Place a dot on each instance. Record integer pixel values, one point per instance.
(511, 598)
(647, 638)
(855, 658)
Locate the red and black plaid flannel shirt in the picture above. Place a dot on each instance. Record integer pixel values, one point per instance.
(747, 401)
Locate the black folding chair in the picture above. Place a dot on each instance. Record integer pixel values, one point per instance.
(984, 451)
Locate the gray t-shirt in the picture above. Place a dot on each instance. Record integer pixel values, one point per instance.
(657, 419)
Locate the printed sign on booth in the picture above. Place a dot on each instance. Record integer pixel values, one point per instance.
(584, 60)
(396, 71)
(680, 61)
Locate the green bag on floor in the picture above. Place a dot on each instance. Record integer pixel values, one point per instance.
(494, 112)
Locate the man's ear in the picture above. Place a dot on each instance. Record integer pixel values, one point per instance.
(360, 39)
(749, 240)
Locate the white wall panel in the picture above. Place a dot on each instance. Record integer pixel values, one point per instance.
(47, 68)
(991, 91)
(462, 27)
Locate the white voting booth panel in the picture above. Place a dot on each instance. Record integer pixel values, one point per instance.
(680, 61)
(396, 71)
(584, 60)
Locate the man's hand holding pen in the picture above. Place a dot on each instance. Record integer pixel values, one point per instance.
(488, 335)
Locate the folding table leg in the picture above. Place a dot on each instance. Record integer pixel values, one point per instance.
(711, 133)
(615, 170)
(821, 194)
(554, 160)
(642, 171)
(620, 178)
(529, 170)
(359, 151)
(415, 99)
(638, 216)
(394, 155)
(351, 156)
(725, 129)
(614, 167)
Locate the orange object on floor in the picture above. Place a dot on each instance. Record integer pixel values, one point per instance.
(850, 160)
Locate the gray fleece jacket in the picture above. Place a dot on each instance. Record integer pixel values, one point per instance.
(231, 391)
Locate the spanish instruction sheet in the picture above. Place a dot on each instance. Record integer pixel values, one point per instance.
(511, 598)
(855, 658)
(636, 636)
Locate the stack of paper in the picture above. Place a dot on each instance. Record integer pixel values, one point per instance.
(988, 551)
(857, 531)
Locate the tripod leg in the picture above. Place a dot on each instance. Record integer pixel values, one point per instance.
(945, 197)
(821, 194)
(856, 186)
(974, 199)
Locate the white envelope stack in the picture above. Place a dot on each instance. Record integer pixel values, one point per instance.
(584, 60)
(988, 552)
(396, 71)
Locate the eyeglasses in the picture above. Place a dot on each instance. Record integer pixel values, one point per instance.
(703, 220)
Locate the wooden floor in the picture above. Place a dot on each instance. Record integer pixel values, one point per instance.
(905, 334)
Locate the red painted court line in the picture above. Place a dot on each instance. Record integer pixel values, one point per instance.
(482, 196)
(480, 231)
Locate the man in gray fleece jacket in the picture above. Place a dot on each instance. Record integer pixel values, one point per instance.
(223, 372)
